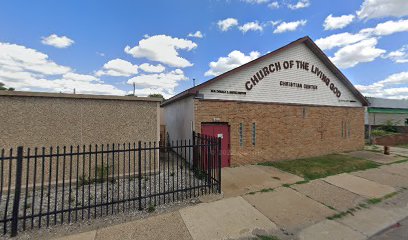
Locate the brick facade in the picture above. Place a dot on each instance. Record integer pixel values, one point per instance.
(284, 131)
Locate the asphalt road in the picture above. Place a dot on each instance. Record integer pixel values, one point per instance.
(396, 232)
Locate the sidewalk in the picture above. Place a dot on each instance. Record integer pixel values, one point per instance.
(358, 204)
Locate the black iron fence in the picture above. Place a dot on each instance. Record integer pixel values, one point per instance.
(44, 186)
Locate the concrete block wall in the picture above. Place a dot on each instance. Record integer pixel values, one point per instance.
(44, 119)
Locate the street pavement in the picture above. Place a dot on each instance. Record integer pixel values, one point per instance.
(398, 231)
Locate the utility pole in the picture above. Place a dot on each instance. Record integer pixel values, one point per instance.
(134, 88)
(193, 82)
(74, 91)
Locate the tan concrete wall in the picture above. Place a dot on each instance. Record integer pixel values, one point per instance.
(36, 120)
(39, 119)
(284, 131)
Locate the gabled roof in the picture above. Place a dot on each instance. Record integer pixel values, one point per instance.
(308, 42)
(388, 103)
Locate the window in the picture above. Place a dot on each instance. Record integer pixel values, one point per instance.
(304, 112)
(345, 129)
(241, 129)
(253, 134)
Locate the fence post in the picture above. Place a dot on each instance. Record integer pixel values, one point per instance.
(194, 150)
(17, 192)
(209, 159)
(140, 174)
(219, 164)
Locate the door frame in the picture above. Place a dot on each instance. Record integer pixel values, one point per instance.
(229, 136)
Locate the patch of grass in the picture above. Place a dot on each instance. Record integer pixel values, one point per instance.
(199, 174)
(102, 174)
(323, 166)
(350, 211)
(374, 200)
(337, 215)
(262, 191)
(363, 205)
(266, 190)
(262, 237)
(286, 185)
(83, 181)
(151, 208)
(302, 182)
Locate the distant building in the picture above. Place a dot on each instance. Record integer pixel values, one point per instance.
(382, 110)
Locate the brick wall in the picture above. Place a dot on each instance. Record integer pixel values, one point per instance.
(284, 131)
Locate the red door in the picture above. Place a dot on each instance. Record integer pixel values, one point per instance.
(220, 130)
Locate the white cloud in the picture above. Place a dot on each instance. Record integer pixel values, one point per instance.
(397, 78)
(289, 26)
(339, 40)
(250, 26)
(197, 34)
(256, 1)
(382, 8)
(152, 68)
(386, 88)
(233, 60)
(381, 29)
(163, 83)
(331, 22)
(351, 55)
(19, 58)
(164, 49)
(226, 24)
(299, 4)
(30, 70)
(389, 27)
(57, 41)
(399, 56)
(118, 68)
(144, 92)
(274, 23)
(274, 5)
(79, 77)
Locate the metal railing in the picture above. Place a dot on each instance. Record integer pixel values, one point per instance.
(44, 186)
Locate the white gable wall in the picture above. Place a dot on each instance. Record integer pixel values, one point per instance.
(179, 117)
(269, 89)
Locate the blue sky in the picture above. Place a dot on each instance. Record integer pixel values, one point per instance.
(102, 47)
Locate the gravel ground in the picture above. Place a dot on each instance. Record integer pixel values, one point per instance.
(84, 194)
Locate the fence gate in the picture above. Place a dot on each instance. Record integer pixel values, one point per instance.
(49, 186)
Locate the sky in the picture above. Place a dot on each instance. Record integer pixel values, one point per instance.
(160, 46)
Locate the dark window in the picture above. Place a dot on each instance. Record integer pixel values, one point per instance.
(241, 129)
(253, 134)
